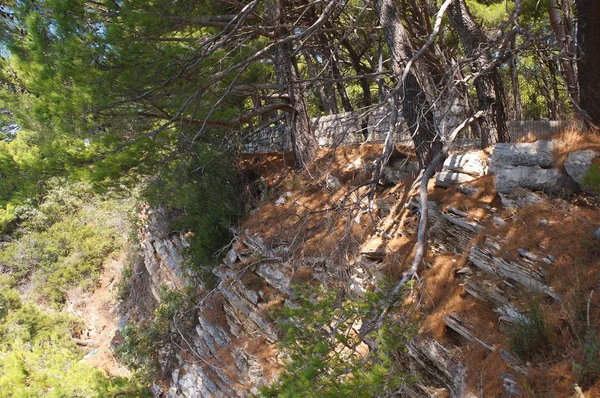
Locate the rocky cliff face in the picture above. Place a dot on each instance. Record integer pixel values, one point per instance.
(476, 274)
(231, 352)
(162, 251)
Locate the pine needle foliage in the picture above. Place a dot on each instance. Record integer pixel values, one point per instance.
(326, 355)
(38, 358)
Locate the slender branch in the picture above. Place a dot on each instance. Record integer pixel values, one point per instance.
(429, 42)
(225, 124)
(422, 231)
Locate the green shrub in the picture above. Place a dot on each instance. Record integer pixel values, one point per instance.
(65, 239)
(529, 335)
(39, 359)
(9, 298)
(589, 366)
(150, 346)
(204, 195)
(591, 179)
(326, 355)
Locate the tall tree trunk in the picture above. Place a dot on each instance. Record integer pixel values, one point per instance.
(514, 77)
(562, 27)
(361, 70)
(588, 38)
(516, 91)
(415, 107)
(490, 93)
(304, 144)
(555, 104)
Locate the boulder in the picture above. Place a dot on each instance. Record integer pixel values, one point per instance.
(449, 178)
(578, 164)
(519, 197)
(282, 199)
(374, 249)
(467, 190)
(471, 163)
(534, 178)
(399, 169)
(539, 154)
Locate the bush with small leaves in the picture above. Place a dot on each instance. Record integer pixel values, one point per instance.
(150, 346)
(327, 355)
(529, 335)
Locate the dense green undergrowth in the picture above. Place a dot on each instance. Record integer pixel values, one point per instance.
(63, 240)
(328, 358)
(61, 237)
(38, 358)
(151, 346)
(204, 193)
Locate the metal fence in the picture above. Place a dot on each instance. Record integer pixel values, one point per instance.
(538, 129)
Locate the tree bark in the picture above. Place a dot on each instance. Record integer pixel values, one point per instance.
(588, 38)
(562, 29)
(337, 75)
(514, 77)
(415, 107)
(554, 99)
(361, 70)
(490, 93)
(304, 144)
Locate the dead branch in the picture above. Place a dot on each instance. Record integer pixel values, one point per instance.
(422, 231)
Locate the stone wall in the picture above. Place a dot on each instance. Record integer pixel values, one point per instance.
(347, 128)
(272, 138)
(332, 130)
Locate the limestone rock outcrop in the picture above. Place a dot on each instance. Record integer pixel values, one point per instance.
(533, 177)
(528, 165)
(399, 169)
(539, 153)
(162, 251)
(461, 168)
(232, 354)
(233, 350)
(578, 164)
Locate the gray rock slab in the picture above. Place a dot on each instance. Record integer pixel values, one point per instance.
(467, 190)
(398, 170)
(534, 178)
(449, 178)
(519, 197)
(539, 153)
(471, 163)
(578, 164)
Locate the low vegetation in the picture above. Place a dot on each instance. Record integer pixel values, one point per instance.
(529, 336)
(328, 357)
(150, 346)
(38, 358)
(206, 203)
(62, 241)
